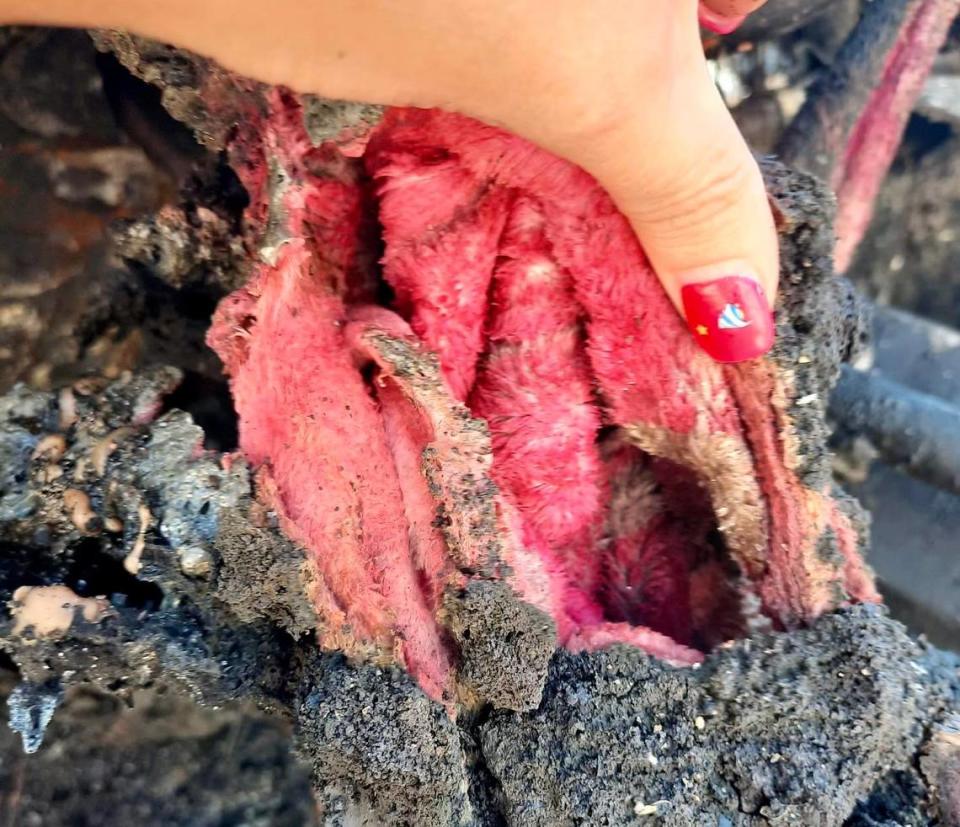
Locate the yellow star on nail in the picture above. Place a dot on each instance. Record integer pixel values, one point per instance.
(702, 330)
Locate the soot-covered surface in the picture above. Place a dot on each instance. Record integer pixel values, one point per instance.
(789, 729)
(790, 724)
(473, 217)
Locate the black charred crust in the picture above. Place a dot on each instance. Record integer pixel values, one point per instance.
(821, 321)
(505, 644)
(742, 740)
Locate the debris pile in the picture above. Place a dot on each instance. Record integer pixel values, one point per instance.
(498, 541)
(628, 487)
(825, 712)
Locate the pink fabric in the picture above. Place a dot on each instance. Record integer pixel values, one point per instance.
(567, 435)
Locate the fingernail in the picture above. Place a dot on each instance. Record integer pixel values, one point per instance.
(729, 317)
(719, 23)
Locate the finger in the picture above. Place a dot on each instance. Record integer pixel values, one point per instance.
(683, 175)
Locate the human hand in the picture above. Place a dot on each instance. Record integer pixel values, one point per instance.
(619, 87)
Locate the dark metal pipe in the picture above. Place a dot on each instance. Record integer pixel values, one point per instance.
(915, 431)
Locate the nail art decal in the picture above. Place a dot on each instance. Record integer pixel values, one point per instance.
(729, 317)
(732, 318)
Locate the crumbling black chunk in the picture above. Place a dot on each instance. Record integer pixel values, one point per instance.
(180, 75)
(263, 574)
(193, 487)
(328, 120)
(17, 443)
(103, 495)
(184, 247)
(820, 320)
(382, 752)
(786, 729)
(199, 93)
(505, 645)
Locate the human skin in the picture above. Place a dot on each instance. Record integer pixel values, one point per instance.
(619, 87)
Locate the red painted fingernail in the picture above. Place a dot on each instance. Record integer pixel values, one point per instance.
(719, 23)
(729, 317)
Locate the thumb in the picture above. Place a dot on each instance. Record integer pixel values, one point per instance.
(683, 175)
(701, 212)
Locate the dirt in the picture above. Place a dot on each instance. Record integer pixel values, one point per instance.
(381, 751)
(261, 574)
(505, 645)
(786, 729)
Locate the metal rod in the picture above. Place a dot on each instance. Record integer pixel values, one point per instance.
(915, 431)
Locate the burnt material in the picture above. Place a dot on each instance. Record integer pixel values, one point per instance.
(848, 131)
(692, 748)
(438, 492)
(164, 762)
(515, 276)
(377, 744)
(111, 509)
(65, 304)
